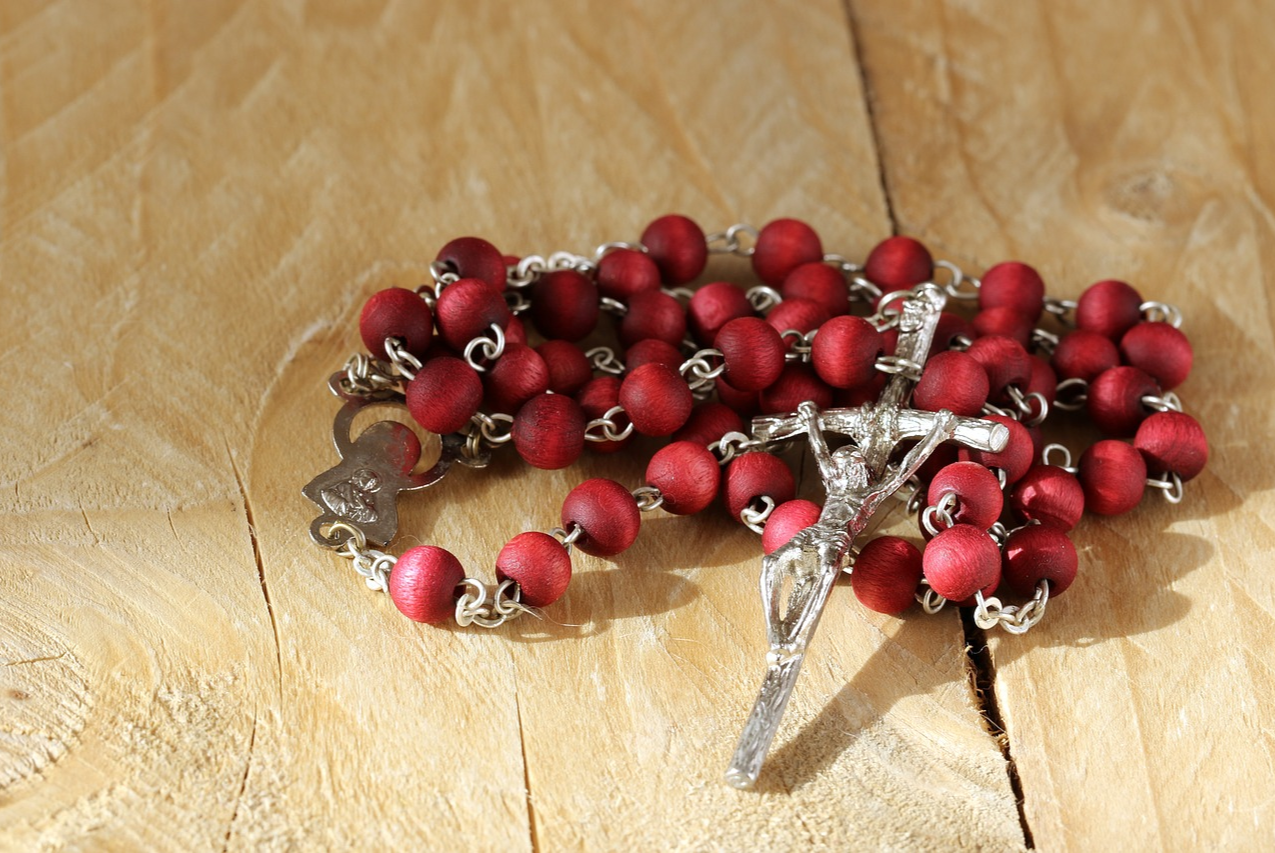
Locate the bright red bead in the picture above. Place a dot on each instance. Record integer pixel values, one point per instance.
(1015, 286)
(1172, 442)
(755, 475)
(653, 314)
(656, 398)
(951, 380)
(898, 263)
(1050, 495)
(802, 315)
(625, 272)
(978, 493)
(782, 246)
(1114, 477)
(686, 474)
(713, 306)
(465, 310)
(845, 351)
(423, 584)
(652, 350)
(1005, 361)
(396, 313)
(1037, 553)
(539, 564)
(1115, 399)
(818, 282)
(1109, 308)
(548, 431)
(886, 574)
(444, 395)
(515, 378)
(1160, 351)
(797, 384)
(1083, 355)
(753, 353)
(786, 521)
(606, 512)
(564, 305)
(1017, 456)
(678, 247)
(474, 257)
(1005, 322)
(961, 561)
(598, 396)
(708, 423)
(568, 367)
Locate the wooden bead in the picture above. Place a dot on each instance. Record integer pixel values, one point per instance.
(444, 395)
(606, 512)
(752, 351)
(565, 305)
(1115, 400)
(598, 396)
(796, 384)
(686, 474)
(625, 272)
(845, 351)
(1050, 495)
(568, 367)
(949, 327)
(945, 454)
(653, 314)
(1015, 286)
(1173, 442)
(708, 423)
(886, 574)
(869, 392)
(1005, 361)
(548, 431)
(396, 313)
(951, 380)
(743, 402)
(678, 247)
(802, 315)
(1037, 553)
(466, 309)
(656, 399)
(1113, 476)
(1109, 308)
(515, 331)
(820, 283)
(1082, 354)
(1005, 322)
(786, 521)
(515, 378)
(961, 561)
(1043, 380)
(898, 263)
(782, 246)
(539, 564)
(652, 351)
(1017, 456)
(977, 491)
(423, 584)
(755, 475)
(474, 257)
(1160, 351)
(713, 306)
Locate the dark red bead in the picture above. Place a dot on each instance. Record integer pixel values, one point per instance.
(1115, 400)
(568, 367)
(801, 315)
(898, 263)
(1050, 495)
(1114, 477)
(978, 493)
(753, 353)
(625, 272)
(652, 351)
(1015, 286)
(515, 378)
(756, 475)
(945, 454)
(656, 399)
(743, 402)
(713, 306)
(1005, 322)
(515, 331)
(845, 351)
(678, 247)
(1160, 351)
(423, 584)
(1173, 442)
(951, 380)
(607, 513)
(1017, 456)
(474, 257)
(797, 384)
(708, 423)
(1005, 361)
(686, 474)
(818, 282)
(1037, 553)
(396, 313)
(1043, 380)
(961, 561)
(949, 327)
(782, 246)
(1083, 355)
(653, 314)
(466, 309)
(886, 574)
(598, 396)
(1109, 308)
(548, 431)
(539, 564)
(869, 392)
(786, 521)
(444, 395)
(564, 305)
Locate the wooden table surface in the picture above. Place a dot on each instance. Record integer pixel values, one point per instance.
(198, 197)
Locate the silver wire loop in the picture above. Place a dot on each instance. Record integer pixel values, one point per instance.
(1066, 457)
(606, 428)
(648, 498)
(403, 361)
(1071, 395)
(605, 360)
(1170, 486)
(732, 444)
(1167, 403)
(763, 298)
(728, 243)
(474, 608)
(990, 613)
(939, 517)
(492, 348)
(1161, 312)
(757, 512)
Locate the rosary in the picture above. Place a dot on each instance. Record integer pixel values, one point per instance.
(942, 412)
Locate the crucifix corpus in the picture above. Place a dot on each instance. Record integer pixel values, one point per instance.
(797, 577)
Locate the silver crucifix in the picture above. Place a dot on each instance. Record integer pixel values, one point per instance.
(797, 577)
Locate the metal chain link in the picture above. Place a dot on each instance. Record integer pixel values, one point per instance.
(757, 512)
(990, 613)
(728, 243)
(490, 607)
(606, 428)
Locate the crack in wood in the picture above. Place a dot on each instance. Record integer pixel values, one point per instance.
(243, 785)
(526, 776)
(35, 660)
(852, 25)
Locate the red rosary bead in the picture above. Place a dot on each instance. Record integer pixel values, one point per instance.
(548, 431)
(951, 380)
(802, 315)
(686, 474)
(949, 328)
(752, 351)
(515, 378)
(396, 313)
(1115, 399)
(797, 384)
(708, 423)
(743, 402)
(786, 521)
(1005, 322)
(1005, 361)
(898, 263)
(978, 493)
(1043, 380)
(1114, 477)
(598, 396)
(1172, 442)
(886, 574)
(539, 564)
(465, 310)
(653, 314)
(515, 331)
(961, 561)
(1109, 308)
(474, 257)
(1160, 351)
(1014, 286)
(1017, 456)
(565, 305)
(444, 395)
(1035, 553)
(652, 351)
(756, 475)
(568, 367)
(678, 247)
(656, 399)
(1082, 354)
(607, 514)
(1050, 495)
(713, 306)
(819, 283)
(782, 246)
(845, 350)
(622, 273)
(423, 583)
